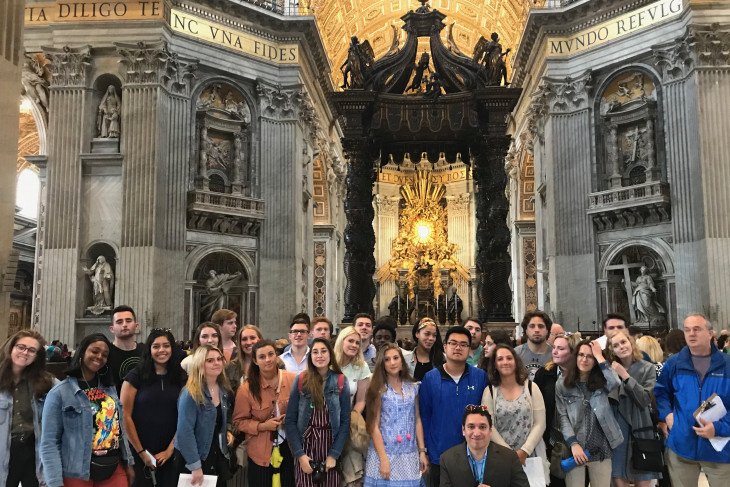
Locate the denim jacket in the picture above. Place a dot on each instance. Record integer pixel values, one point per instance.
(570, 408)
(195, 427)
(338, 405)
(6, 422)
(68, 429)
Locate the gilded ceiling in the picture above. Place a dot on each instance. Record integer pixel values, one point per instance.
(372, 20)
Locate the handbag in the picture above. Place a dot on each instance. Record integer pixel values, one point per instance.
(559, 453)
(647, 454)
(103, 467)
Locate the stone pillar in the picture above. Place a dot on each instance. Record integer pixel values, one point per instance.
(281, 184)
(460, 207)
(359, 235)
(614, 161)
(11, 47)
(156, 133)
(386, 222)
(493, 263)
(66, 137)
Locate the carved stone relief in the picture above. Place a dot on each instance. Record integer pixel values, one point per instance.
(278, 102)
(35, 79)
(69, 66)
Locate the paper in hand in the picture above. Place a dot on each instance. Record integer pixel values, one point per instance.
(186, 479)
(712, 410)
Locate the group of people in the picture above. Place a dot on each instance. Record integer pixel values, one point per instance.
(357, 410)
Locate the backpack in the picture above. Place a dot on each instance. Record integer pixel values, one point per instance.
(340, 382)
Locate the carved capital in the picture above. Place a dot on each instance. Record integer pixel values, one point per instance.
(309, 118)
(675, 59)
(568, 94)
(279, 102)
(69, 66)
(537, 113)
(711, 43)
(153, 63)
(458, 205)
(387, 205)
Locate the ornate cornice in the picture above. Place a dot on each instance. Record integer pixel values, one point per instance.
(69, 66)
(279, 102)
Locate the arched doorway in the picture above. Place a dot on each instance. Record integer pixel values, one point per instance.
(637, 280)
(221, 281)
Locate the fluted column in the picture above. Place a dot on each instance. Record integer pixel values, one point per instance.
(493, 263)
(359, 235)
(60, 267)
(386, 222)
(156, 131)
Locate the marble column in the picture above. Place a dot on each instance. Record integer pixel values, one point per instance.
(386, 222)
(11, 25)
(493, 263)
(155, 138)
(281, 180)
(57, 298)
(359, 235)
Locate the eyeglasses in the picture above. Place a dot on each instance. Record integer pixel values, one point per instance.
(458, 344)
(297, 332)
(23, 349)
(586, 356)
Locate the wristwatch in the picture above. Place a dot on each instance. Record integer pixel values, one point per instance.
(422, 450)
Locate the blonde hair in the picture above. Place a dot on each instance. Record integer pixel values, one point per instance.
(196, 379)
(651, 346)
(340, 357)
(635, 351)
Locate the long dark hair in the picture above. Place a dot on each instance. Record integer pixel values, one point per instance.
(313, 381)
(254, 371)
(497, 336)
(35, 373)
(436, 355)
(74, 368)
(199, 329)
(493, 374)
(378, 382)
(146, 367)
(595, 381)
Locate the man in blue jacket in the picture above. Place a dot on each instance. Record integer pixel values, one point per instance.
(445, 392)
(687, 379)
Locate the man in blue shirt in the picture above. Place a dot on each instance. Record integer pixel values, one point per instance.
(480, 462)
(445, 392)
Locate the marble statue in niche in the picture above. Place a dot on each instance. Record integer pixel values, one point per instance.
(643, 300)
(217, 287)
(102, 280)
(109, 115)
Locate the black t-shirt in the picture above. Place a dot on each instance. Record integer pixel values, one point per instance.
(121, 362)
(155, 409)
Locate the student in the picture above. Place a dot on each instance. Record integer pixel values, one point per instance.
(149, 395)
(586, 419)
(207, 333)
(397, 451)
(24, 384)
(429, 351)
(202, 417)
(124, 352)
(226, 320)
(261, 406)
(318, 422)
(84, 442)
(295, 358)
(237, 369)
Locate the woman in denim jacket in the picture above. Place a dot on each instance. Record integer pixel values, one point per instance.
(318, 421)
(586, 418)
(25, 383)
(202, 416)
(83, 441)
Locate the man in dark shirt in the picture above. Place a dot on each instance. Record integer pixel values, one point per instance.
(124, 353)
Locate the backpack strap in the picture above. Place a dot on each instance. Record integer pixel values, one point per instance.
(529, 386)
(300, 381)
(340, 382)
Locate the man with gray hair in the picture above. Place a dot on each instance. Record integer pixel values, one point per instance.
(688, 379)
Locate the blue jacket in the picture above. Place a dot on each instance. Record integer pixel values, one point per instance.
(442, 402)
(338, 404)
(6, 422)
(678, 391)
(68, 431)
(571, 409)
(195, 427)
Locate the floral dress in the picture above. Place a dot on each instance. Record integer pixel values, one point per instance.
(398, 428)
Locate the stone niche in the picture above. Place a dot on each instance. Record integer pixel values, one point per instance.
(223, 121)
(629, 113)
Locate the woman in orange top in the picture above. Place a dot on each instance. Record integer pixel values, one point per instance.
(259, 412)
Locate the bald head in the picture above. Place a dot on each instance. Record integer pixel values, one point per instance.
(555, 331)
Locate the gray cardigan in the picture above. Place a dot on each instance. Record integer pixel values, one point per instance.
(634, 397)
